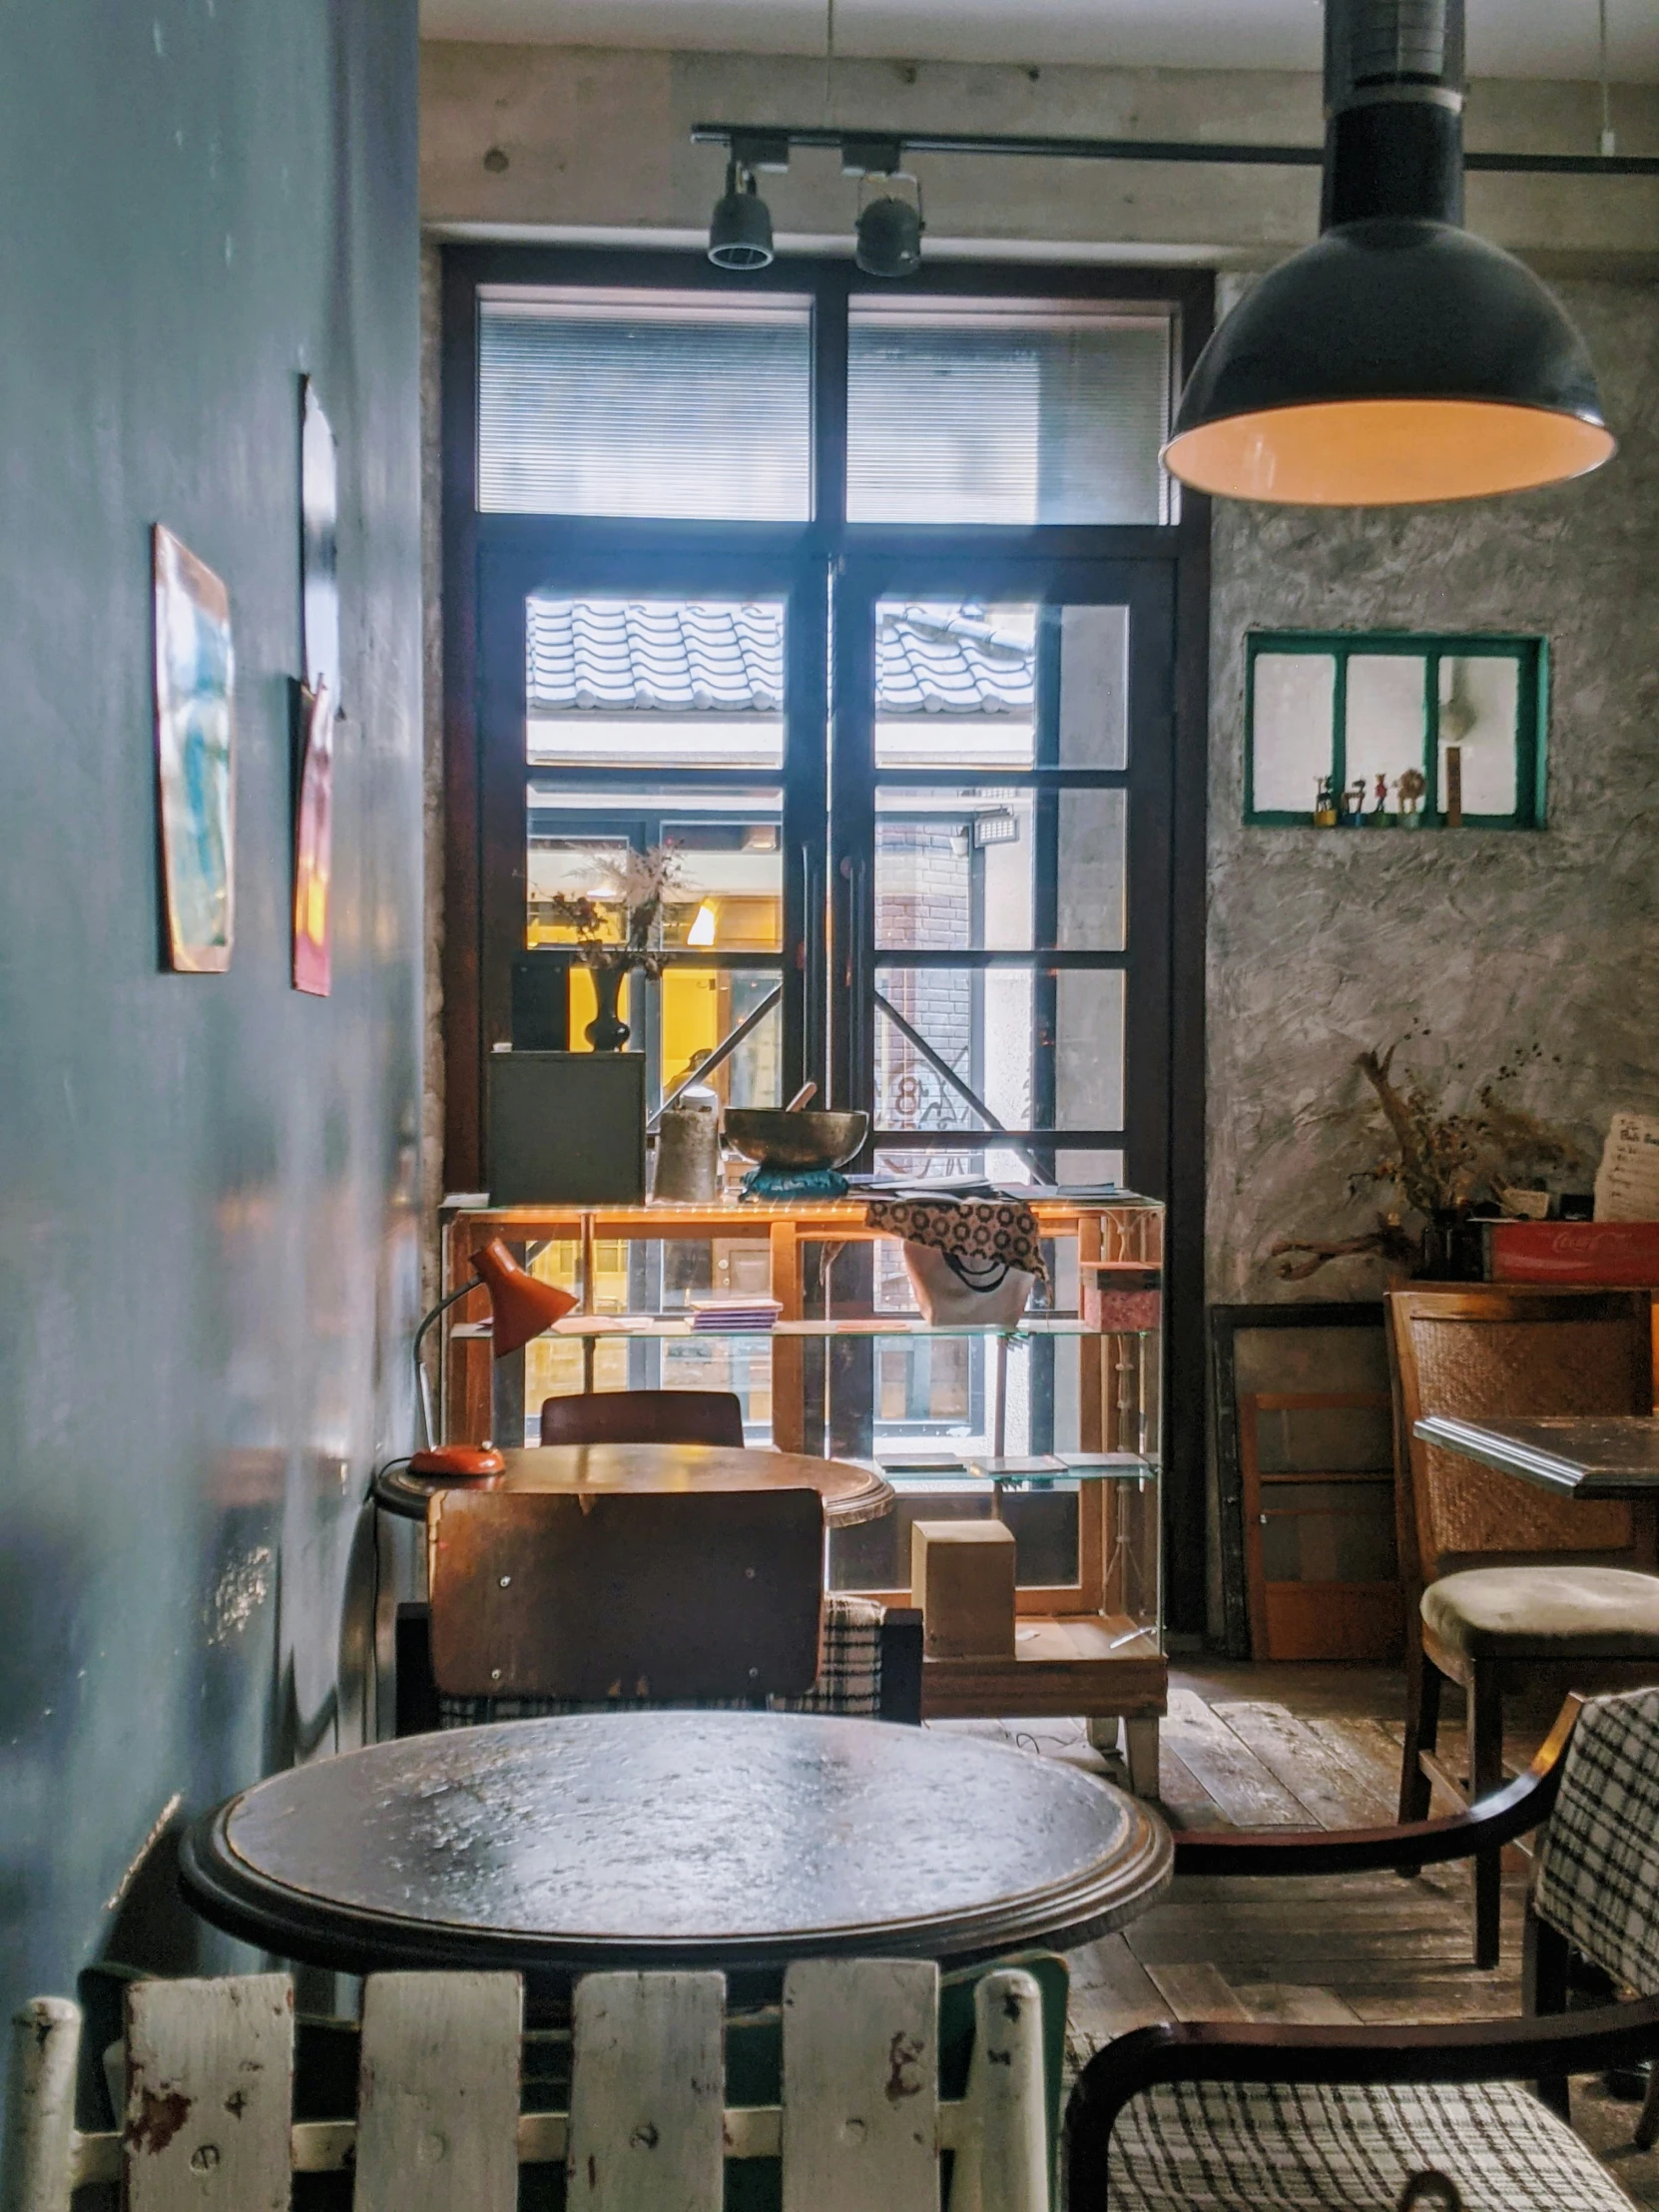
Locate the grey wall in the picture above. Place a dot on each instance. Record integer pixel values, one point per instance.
(1321, 943)
(206, 1228)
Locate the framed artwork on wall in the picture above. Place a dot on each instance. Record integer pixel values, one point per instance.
(194, 683)
(319, 695)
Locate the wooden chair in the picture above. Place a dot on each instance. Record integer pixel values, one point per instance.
(1507, 1585)
(1212, 2117)
(643, 1418)
(544, 1603)
(206, 2112)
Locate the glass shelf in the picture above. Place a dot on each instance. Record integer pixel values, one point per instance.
(1041, 1471)
(650, 1327)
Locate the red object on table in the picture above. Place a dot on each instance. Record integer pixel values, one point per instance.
(1610, 1253)
(521, 1303)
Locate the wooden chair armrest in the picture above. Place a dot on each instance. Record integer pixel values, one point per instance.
(415, 1695)
(1520, 1805)
(1220, 2050)
(900, 1639)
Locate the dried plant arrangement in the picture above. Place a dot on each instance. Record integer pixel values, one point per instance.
(1437, 1165)
(631, 888)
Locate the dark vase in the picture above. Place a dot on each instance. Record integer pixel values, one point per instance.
(607, 1032)
(1450, 1249)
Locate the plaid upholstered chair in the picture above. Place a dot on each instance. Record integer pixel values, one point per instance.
(1509, 1587)
(1211, 2117)
(544, 1603)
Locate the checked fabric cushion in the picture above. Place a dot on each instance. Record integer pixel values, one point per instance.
(1207, 2146)
(1598, 1858)
(848, 1678)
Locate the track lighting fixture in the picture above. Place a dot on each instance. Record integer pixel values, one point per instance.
(740, 230)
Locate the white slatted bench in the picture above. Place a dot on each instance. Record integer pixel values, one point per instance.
(209, 2082)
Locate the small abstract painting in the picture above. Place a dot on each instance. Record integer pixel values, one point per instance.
(194, 690)
(313, 846)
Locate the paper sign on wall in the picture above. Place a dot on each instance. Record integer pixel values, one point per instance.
(1627, 1181)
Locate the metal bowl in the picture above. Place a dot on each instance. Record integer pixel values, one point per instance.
(775, 1139)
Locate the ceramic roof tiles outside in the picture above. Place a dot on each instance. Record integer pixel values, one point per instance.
(671, 657)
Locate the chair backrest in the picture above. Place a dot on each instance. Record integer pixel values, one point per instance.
(1502, 1354)
(208, 2122)
(710, 1595)
(1596, 1873)
(643, 1418)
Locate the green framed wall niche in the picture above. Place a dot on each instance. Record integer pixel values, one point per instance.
(1453, 725)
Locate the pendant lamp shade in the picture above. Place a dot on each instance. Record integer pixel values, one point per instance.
(1400, 359)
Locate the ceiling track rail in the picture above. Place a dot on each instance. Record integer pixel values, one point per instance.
(767, 147)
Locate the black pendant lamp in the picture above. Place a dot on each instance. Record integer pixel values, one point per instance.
(1400, 359)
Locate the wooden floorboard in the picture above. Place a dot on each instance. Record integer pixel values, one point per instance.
(1285, 1745)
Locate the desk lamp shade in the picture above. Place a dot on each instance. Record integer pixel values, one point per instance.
(521, 1304)
(1400, 359)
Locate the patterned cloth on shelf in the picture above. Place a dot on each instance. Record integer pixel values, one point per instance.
(848, 1680)
(982, 1238)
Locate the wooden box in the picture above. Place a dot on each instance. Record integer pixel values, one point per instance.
(962, 1578)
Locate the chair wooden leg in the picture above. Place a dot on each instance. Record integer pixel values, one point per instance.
(1544, 1961)
(1422, 1727)
(1647, 2127)
(1486, 1723)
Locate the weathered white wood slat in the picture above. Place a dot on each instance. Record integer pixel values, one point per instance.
(1004, 2165)
(437, 2093)
(209, 2089)
(647, 2094)
(37, 2158)
(861, 2085)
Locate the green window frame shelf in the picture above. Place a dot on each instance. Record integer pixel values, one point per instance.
(1530, 654)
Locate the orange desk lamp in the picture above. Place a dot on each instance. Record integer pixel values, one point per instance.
(521, 1306)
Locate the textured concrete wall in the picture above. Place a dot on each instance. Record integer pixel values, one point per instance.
(598, 141)
(1324, 942)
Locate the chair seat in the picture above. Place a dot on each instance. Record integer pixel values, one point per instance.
(1564, 1612)
(1258, 2147)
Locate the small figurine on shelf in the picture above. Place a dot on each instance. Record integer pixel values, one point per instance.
(1325, 803)
(1350, 805)
(1411, 787)
(1378, 817)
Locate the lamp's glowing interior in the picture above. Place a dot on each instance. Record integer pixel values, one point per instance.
(1386, 452)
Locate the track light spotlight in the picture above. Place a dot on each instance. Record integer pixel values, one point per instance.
(889, 232)
(740, 230)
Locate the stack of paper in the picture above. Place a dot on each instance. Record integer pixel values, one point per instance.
(735, 1312)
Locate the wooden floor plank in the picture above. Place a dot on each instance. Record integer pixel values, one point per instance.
(1295, 2005)
(1185, 1801)
(1240, 1785)
(1196, 1993)
(1306, 1762)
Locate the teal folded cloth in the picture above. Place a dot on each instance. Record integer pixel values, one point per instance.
(781, 1186)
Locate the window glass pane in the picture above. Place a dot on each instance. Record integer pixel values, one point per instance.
(1293, 728)
(728, 890)
(1385, 707)
(1094, 686)
(977, 868)
(1479, 711)
(991, 1027)
(955, 684)
(1016, 413)
(646, 683)
(632, 404)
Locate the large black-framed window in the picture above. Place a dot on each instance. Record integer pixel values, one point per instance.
(855, 1005)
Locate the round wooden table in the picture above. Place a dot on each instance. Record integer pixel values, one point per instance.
(738, 1841)
(850, 1492)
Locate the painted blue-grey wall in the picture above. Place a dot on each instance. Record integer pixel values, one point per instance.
(208, 1247)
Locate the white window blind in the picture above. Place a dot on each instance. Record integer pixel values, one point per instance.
(661, 405)
(1013, 414)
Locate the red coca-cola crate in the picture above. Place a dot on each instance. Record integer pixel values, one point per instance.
(1608, 1253)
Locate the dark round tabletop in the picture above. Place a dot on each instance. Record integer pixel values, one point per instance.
(850, 1492)
(642, 1839)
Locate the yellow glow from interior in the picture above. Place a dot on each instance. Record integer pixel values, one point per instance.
(702, 930)
(1386, 452)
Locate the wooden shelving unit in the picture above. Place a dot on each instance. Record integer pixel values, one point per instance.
(1089, 1647)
